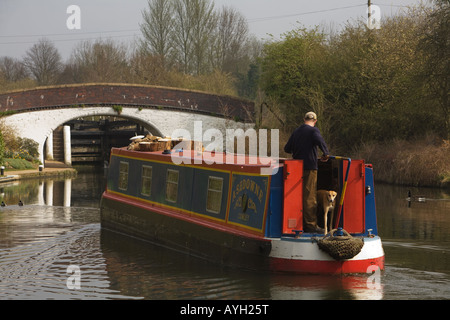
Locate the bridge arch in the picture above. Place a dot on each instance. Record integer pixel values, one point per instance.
(36, 113)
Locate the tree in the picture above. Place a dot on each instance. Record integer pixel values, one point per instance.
(193, 26)
(230, 39)
(204, 21)
(435, 46)
(148, 69)
(12, 69)
(366, 85)
(99, 61)
(157, 29)
(293, 73)
(381, 82)
(44, 62)
(191, 37)
(181, 35)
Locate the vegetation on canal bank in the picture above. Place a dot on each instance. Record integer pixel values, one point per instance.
(380, 94)
(421, 163)
(17, 153)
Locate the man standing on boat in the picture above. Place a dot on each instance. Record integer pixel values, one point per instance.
(303, 145)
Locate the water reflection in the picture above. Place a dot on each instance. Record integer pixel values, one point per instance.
(320, 287)
(140, 268)
(415, 234)
(86, 192)
(427, 220)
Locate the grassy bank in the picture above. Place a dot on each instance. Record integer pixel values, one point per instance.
(18, 164)
(423, 162)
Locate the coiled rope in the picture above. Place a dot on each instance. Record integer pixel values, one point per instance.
(340, 247)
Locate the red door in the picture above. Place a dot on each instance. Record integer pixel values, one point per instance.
(354, 199)
(293, 196)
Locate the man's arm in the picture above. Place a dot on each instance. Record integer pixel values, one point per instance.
(319, 141)
(288, 146)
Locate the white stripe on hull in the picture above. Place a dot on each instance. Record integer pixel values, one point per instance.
(307, 249)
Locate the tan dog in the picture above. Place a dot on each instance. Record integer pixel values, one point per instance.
(325, 201)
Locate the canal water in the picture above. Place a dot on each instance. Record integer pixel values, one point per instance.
(53, 247)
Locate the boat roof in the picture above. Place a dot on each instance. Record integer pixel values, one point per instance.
(213, 160)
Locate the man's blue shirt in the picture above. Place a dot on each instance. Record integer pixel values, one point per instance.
(303, 145)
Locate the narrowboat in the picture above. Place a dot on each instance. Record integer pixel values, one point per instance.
(225, 209)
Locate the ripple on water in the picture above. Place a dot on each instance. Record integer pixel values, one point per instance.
(35, 267)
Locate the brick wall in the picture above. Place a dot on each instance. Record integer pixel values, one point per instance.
(136, 95)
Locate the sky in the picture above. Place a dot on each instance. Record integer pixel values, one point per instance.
(24, 22)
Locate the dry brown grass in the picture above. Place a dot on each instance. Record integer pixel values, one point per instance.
(423, 162)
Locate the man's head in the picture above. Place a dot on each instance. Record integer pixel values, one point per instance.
(310, 118)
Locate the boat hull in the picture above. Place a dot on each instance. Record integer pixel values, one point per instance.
(303, 255)
(187, 234)
(219, 244)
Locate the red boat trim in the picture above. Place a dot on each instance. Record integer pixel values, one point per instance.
(325, 267)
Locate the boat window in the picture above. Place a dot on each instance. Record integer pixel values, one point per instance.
(172, 185)
(214, 196)
(146, 180)
(123, 175)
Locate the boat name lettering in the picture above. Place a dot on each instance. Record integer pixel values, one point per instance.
(248, 184)
(243, 216)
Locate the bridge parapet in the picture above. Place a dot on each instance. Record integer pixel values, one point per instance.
(141, 96)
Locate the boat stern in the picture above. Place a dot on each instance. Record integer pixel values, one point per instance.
(303, 255)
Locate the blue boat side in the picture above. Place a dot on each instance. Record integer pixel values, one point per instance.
(237, 199)
(275, 210)
(371, 215)
(242, 199)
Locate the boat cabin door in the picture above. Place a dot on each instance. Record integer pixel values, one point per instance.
(293, 196)
(353, 217)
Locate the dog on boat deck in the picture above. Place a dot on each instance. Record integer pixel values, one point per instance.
(325, 203)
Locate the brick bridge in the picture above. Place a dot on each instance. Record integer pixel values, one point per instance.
(37, 113)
